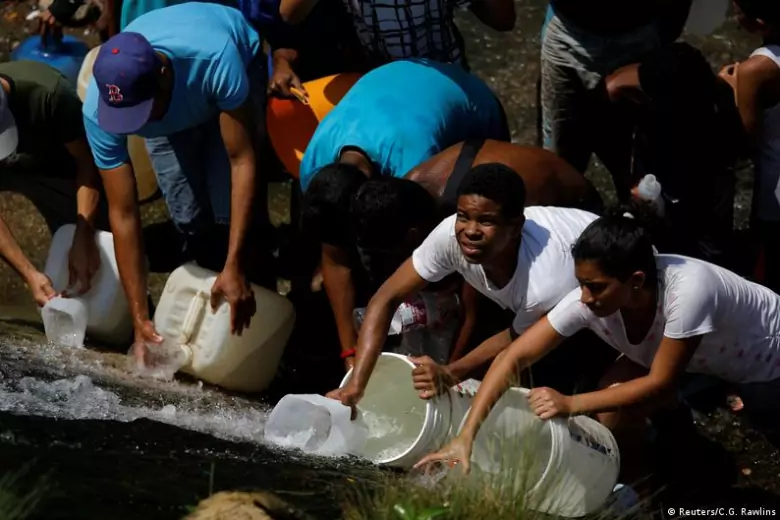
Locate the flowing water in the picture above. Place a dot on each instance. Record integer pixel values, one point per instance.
(114, 444)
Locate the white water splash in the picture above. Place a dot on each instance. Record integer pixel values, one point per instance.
(79, 398)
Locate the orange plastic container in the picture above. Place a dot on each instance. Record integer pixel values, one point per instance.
(292, 122)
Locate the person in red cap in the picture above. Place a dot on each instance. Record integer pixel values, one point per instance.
(195, 89)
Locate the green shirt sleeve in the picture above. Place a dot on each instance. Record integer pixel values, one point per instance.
(66, 116)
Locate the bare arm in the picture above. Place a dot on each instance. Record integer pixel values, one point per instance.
(236, 129)
(87, 182)
(337, 279)
(373, 333)
(753, 89)
(496, 14)
(522, 353)
(125, 221)
(484, 353)
(468, 297)
(13, 255)
(668, 364)
(294, 11)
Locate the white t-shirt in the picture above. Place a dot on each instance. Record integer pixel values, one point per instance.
(545, 269)
(739, 321)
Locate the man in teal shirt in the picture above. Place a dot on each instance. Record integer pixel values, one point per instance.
(189, 79)
(394, 118)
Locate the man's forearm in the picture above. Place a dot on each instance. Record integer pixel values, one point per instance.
(242, 198)
(484, 353)
(12, 253)
(129, 248)
(341, 295)
(87, 197)
(372, 337)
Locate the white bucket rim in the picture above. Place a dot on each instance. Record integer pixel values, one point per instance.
(554, 441)
(428, 409)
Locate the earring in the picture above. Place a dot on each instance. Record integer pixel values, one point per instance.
(636, 287)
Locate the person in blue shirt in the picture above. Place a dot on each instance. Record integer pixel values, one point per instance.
(394, 118)
(189, 78)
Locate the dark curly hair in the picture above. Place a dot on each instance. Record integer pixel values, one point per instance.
(499, 183)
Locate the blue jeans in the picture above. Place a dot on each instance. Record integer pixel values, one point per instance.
(193, 170)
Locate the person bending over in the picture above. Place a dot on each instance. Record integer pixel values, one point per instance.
(666, 315)
(385, 125)
(189, 79)
(40, 118)
(756, 84)
(519, 257)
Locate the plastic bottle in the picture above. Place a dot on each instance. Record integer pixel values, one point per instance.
(425, 310)
(649, 189)
(160, 361)
(65, 321)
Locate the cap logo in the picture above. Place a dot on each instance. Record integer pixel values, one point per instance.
(114, 94)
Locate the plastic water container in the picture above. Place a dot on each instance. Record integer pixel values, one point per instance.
(426, 309)
(145, 179)
(245, 363)
(402, 428)
(108, 317)
(315, 424)
(65, 321)
(569, 465)
(65, 56)
(649, 189)
(706, 16)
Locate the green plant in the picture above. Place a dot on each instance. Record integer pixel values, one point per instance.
(406, 512)
(17, 502)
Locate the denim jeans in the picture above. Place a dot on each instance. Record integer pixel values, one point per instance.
(574, 61)
(193, 170)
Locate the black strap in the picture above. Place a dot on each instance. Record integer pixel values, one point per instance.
(468, 153)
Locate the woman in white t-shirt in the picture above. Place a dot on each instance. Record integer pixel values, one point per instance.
(666, 314)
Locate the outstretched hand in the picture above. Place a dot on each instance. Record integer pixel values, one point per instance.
(456, 453)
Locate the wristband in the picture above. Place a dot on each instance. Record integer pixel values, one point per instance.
(348, 353)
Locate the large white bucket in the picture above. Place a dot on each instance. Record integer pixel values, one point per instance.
(569, 466)
(402, 428)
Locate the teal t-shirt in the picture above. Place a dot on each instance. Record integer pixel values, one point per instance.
(132, 9)
(210, 47)
(403, 113)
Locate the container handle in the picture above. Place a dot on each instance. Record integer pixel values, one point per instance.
(197, 305)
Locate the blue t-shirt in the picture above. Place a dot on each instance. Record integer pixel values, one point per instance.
(210, 47)
(403, 113)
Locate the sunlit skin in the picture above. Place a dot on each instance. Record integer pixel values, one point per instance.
(483, 234)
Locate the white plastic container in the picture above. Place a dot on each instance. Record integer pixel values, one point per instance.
(706, 16)
(108, 318)
(65, 321)
(402, 428)
(245, 363)
(315, 424)
(649, 189)
(570, 465)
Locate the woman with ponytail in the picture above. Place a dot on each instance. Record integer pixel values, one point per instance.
(666, 314)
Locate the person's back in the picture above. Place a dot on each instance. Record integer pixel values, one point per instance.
(549, 180)
(402, 113)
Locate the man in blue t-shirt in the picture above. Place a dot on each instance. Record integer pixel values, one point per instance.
(189, 79)
(394, 118)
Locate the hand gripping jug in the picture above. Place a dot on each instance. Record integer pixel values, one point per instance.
(245, 363)
(401, 427)
(104, 306)
(568, 466)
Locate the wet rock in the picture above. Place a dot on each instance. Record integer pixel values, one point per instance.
(238, 505)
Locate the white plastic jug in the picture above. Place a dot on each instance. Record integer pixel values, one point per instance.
(108, 318)
(245, 363)
(402, 428)
(574, 464)
(65, 321)
(315, 424)
(706, 16)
